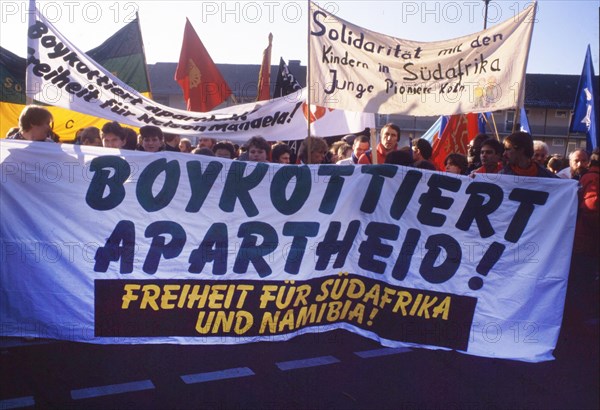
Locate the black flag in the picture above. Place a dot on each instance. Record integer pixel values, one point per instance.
(286, 82)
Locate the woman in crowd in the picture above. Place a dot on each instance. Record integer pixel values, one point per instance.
(281, 153)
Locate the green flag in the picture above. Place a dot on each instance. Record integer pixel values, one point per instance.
(12, 77)
(123, 55)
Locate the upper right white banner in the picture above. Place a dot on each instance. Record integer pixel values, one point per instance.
(356, 69)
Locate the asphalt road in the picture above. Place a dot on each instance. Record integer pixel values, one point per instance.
(313, 371)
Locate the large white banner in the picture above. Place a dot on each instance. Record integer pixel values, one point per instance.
(360, 70)
(59, 74)
(104, 246)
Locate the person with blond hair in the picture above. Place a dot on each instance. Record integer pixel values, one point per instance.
(313, 150)
(540, 152)
(185, 145)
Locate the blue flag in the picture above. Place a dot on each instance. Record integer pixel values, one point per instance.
(524, 122)
(584, 110)
(482, 120)
(435, 130)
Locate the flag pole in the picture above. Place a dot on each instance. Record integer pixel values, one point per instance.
(373, 142)
(139, 27)
(517, 116)
(487, 2)
(521, 97)
(30, 21)
(308, 84)
(495, 128)
(485, 21)
(308, 68)
(264, 74)
(568, 134)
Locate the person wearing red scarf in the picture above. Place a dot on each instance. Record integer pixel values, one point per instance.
(390, 135)
(518, 154)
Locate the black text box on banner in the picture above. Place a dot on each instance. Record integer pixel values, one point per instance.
(205, 308)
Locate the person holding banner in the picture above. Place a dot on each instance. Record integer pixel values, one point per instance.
(556, 163)
(11, 131)
(313, 150)
(490, 155)
(281, 153)
(91, 136)
(259, 149)
(172, 142)
(344, 151)
(401, 157)
(390, 134)
(185, 145)
(422, 151)
(113, 135)
(131, 139)
(205, 142)
(456, 164)
(540, 152)
(224, 149)
(518, 154)
(578, 165)
(474, 152)
(360, 145)
(35, 124)
(336, 152)
(588, 223)
(152, 139)
(583, 297)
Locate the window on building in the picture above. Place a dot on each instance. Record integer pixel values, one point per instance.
(558, 142)
(560, 114)
(509, 120)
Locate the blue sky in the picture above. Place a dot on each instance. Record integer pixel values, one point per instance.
(236, 31)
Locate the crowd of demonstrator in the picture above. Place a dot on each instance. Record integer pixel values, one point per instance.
(518, 154)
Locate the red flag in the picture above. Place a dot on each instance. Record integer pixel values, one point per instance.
(203, 85)
(264, 76)
(460, 129)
